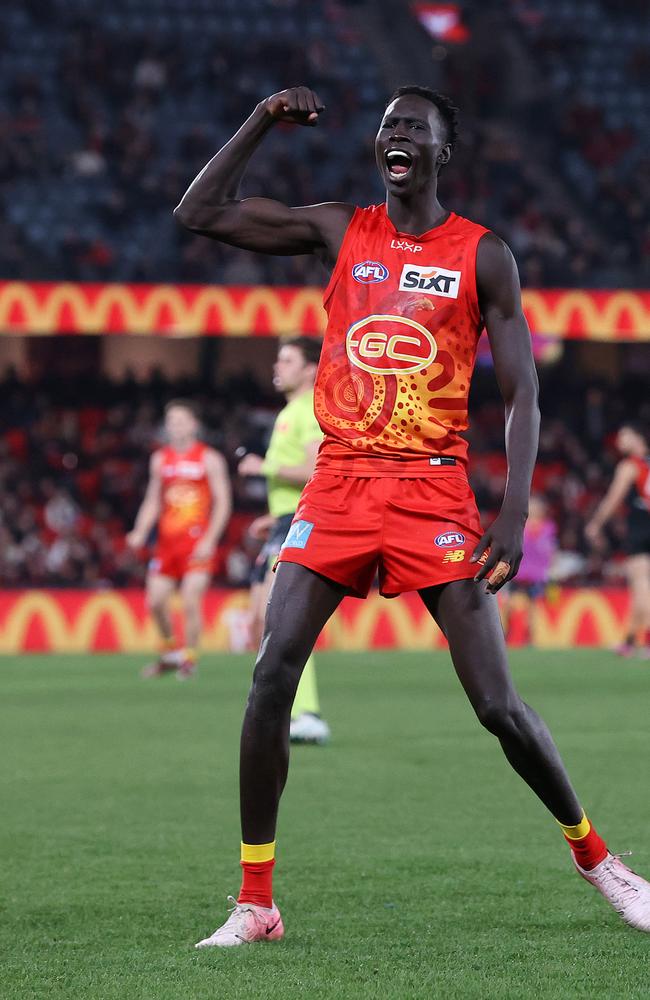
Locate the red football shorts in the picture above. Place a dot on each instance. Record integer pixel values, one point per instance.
(416, 532)
(174, 558)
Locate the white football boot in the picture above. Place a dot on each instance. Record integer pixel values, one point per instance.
(309, 728)
(246, 923)
(627, 892)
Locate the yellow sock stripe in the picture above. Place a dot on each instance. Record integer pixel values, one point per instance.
(256, 853)
(576, 832)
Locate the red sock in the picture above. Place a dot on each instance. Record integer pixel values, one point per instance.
(589, 851)
(257, 883)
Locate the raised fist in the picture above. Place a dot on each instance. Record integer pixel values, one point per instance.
(299, 105)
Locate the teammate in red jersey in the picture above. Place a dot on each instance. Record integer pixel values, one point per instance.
(189, 498)
(412, 286)
(631, 482)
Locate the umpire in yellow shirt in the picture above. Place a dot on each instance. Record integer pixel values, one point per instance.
(288, 464)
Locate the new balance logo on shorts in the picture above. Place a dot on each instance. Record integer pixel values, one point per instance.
(298, 536)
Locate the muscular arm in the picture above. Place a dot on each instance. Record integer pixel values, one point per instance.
(509, 336)
(219, 482)
(150, 506)
(211, 206)
(622, 482)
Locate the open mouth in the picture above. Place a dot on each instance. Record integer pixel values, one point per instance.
(399, 163)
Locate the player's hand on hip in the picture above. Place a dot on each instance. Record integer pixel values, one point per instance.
(250, 465)
(594, 535)
(500, 551)
(134, 540)
(299, 105)
(204, 549)
(260, 528)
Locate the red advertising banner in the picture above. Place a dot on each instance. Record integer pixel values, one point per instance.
(41, 308)
(75, 621)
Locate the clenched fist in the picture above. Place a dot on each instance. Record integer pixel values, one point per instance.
(299, 105)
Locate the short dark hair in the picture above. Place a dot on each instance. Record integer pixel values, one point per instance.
(638, 427)
(309, 347)
(446, 107)
(185, 404)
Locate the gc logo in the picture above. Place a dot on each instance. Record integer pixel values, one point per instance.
(390, 345)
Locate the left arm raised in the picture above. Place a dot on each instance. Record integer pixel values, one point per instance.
(500, 301)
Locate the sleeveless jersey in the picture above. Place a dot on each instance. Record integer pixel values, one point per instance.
(186, 495)
(399, 350)
(641, 488)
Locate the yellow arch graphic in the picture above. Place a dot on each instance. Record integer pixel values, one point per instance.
(77, 634)
(357, 631)
(189, 309)
(241, 312)
(561, 634)
(601, 321)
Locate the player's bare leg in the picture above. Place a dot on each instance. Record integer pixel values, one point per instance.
(259, 595)
(193, 588)
(300, 604)
(159, 590)
(306, 724)
(469, 618)
(638, 576)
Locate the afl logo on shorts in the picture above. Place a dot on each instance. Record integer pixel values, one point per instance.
(390, 345)
(369, 272)
(450, 538)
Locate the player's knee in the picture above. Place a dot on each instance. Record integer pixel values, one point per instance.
(272, 693)
(156, 603)
(502, 719)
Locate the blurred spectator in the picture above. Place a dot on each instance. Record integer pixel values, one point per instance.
(109, 113)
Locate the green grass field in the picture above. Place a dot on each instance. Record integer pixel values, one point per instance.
(411, 862)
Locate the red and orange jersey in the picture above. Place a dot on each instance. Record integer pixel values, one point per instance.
(642, 481)
(186, 497)
(400, 345)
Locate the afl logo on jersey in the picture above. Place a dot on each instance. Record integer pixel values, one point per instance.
(390, 345)
(450, 538)
(369, 272)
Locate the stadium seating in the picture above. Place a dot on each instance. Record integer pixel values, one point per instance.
(110, 108)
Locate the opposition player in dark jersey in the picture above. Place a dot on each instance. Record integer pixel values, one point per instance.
(412, 286)
(631, 482)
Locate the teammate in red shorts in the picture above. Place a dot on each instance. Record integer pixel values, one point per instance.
(411, 288)
(189, 498)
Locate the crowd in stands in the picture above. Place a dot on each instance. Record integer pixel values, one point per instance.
(74, 463)
(109, 108)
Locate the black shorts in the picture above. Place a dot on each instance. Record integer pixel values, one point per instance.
(637, 542)
(269, 551)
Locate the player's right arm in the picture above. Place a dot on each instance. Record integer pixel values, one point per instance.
(623, 480)
(211, 206)
(150, 507)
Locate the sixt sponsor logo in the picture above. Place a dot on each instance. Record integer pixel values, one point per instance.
(450, 538)
(405, 245)
(430, 280)
(369, 272)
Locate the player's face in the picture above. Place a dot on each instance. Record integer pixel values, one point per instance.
(629, 442)
(180, 425)
(411, 137)
(291, 371)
